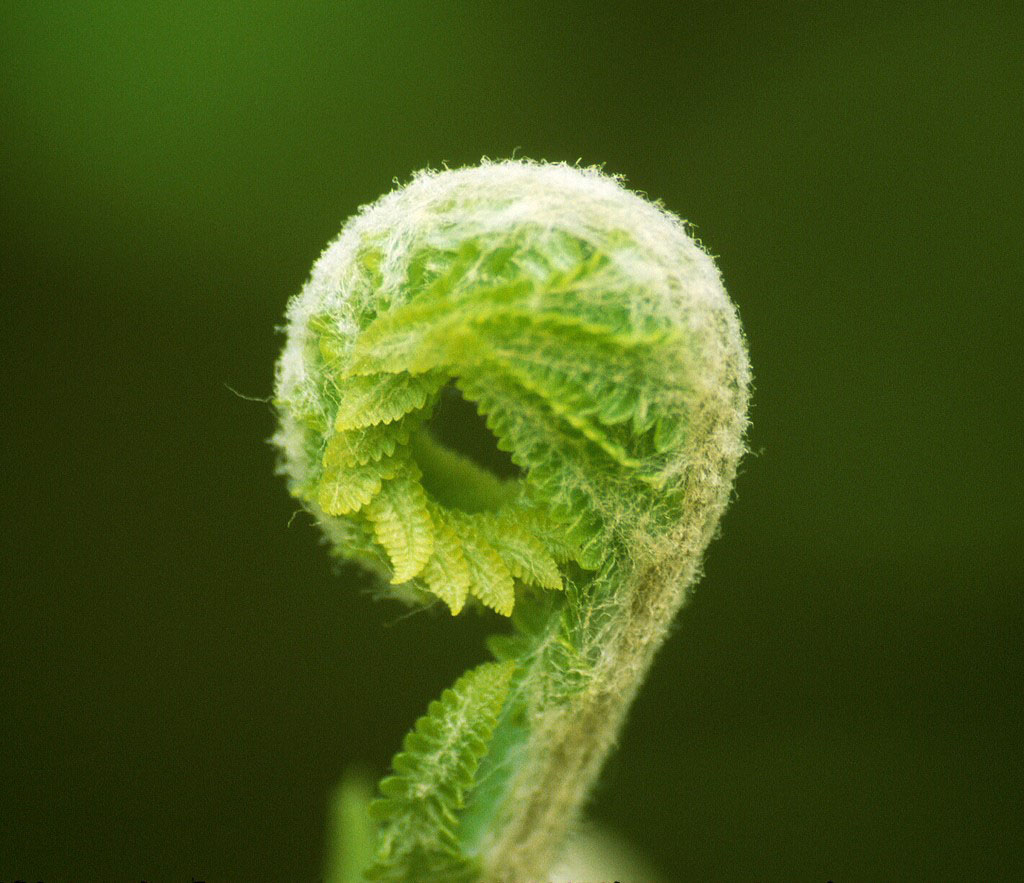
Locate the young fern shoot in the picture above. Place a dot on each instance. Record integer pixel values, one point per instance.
(596, 339)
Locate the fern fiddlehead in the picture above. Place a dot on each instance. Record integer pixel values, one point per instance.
(595, 338)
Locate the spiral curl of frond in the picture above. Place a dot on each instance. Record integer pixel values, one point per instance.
(562, 306)
(594, 337)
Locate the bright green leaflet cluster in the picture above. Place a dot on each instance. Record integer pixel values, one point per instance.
(437, 766)
(575, 392)
(594, 338)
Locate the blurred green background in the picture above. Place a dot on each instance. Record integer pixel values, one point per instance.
(185, 673)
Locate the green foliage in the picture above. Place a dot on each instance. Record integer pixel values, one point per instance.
(352, 833)
(403, 526)
(490, 577)
(418, 811)
(567, 388)
(347, 489)
(569, 383)
(369, 401)
(447, 573)
(596, 342)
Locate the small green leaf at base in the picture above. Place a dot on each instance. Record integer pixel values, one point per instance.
(350, 831)
(418, 810)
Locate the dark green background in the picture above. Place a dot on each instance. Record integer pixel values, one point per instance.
(185, 677)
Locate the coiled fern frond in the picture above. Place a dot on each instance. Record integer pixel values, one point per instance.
(595, 338)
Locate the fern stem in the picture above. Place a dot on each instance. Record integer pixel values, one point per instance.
(569, 741)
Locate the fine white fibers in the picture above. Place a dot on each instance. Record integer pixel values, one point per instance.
(441, 209)
(666, 273)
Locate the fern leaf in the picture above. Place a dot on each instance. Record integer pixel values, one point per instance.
(403, 526)
(344, 489)
(434, 331)
(521, 423)
(356, 447)
(369, 399)
(418, 818)
(447, 574)
(523, 553)
(425, 333)
(550, 532)
(588, 539)
(619, 405)
(568, 410)
(490, 579)
(669, 432)
(540, 359)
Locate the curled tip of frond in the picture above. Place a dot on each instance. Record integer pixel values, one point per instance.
(587, 327)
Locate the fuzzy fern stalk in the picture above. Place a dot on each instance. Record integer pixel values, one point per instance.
(596, 339)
